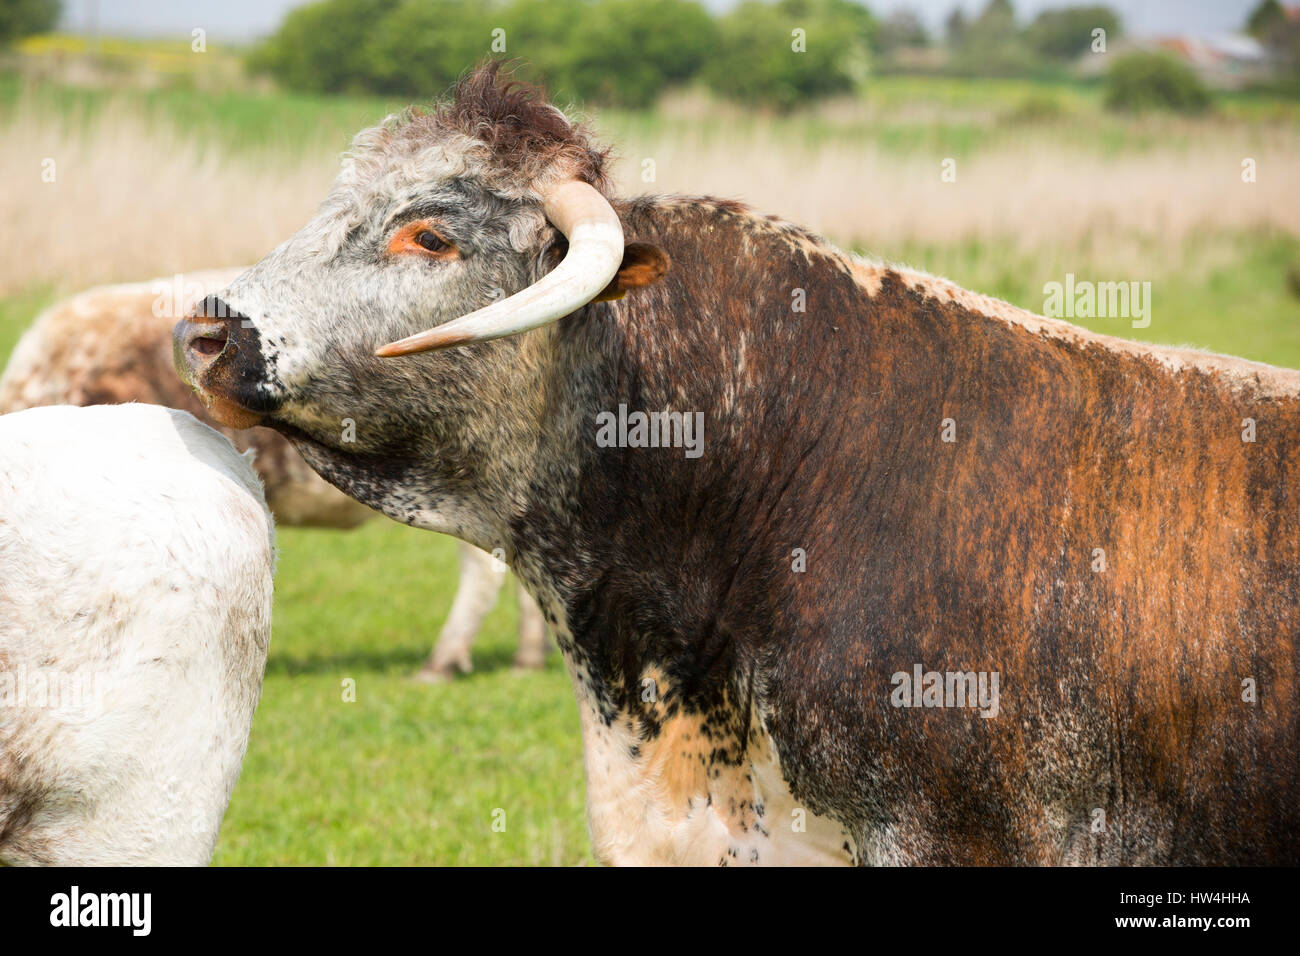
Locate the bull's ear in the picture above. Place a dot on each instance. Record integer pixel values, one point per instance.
(643, 265)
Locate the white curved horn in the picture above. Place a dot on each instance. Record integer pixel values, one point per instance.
(595, 253)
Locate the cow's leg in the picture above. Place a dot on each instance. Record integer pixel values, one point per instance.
(476, 592)
(532, 633)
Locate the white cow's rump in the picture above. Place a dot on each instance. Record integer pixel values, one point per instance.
(136, 556)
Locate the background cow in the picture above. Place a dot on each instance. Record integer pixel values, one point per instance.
(113, 344)
(904, 478)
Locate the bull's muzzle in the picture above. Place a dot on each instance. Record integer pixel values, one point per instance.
(216, 351)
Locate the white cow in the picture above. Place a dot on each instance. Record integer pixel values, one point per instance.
(136, 556)
(113, 344)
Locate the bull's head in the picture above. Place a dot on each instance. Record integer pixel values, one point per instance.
(471, 225)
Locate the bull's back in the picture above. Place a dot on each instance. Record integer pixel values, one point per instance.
(1115, 542)
(1186, 491)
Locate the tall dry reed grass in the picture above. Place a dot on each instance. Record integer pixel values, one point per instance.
(1027, 191)
(134, 197)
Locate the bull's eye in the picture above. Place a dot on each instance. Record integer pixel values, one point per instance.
(422, 238)
(431, 241)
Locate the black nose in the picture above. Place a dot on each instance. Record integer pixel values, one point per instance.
(217, 349)
(218, 352)
(206, 333)
(214, 309)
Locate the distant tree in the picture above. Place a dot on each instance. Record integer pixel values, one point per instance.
(609, 51)
(539, 37)
(419, 48)
(902, 28)
(993, 44)
(998, 17)
(1269, 24)
(1066, 33)
(954, 27)
(621, 52)
(20, 18)
(1154, 81)
(321, 47)
(1264, 17)
(790, 52)
(626, 52)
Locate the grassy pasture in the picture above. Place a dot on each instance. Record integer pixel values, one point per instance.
(408, 774)
(156, 181)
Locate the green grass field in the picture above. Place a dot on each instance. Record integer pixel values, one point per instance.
(408, 773)
(413, 774)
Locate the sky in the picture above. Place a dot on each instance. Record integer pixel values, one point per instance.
(238, 20)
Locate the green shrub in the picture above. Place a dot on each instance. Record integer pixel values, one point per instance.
(1066, 33)
(620, 52)
(756, 61)
(421, 47)
(20, 18)
(1036, 108)
(1154, 81)
(320, 48)
(991, 44)
(539, 38)
(626, 52)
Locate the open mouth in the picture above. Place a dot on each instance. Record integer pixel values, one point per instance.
(229, 413)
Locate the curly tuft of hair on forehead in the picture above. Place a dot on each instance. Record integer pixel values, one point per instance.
(523, 131)
(504, 132)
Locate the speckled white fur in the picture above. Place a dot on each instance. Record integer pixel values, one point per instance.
(136, 558)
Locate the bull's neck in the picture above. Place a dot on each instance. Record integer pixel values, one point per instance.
(664, 512)
(629, 535)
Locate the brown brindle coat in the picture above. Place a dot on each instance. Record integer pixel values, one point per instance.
(735, 705)
(1122, 736)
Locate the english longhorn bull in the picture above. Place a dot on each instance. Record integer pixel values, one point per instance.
(905, 481)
